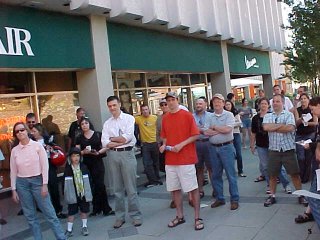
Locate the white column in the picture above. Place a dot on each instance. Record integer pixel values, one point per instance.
(220, 82)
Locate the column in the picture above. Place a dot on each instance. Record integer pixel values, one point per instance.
(95, 85)
(220, 82)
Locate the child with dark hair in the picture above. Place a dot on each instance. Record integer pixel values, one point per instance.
(77, 191)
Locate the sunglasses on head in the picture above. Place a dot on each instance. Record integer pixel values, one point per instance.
(19, 130)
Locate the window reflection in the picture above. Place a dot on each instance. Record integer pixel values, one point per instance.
(15, 82)
(130, 80)
(179, 80)
(157, 79)
(56, 81)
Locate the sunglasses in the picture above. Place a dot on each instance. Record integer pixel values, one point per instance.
(19, 130)
(163, 104)
(31, 122)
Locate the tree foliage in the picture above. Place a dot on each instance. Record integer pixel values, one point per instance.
(304, 54)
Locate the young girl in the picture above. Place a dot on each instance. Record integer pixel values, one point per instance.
(77, 191)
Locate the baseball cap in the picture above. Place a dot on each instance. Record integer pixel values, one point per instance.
(162, 100)
(171, 94)
(74, 150)
(218, 95)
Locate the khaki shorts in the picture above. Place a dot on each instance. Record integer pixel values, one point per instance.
(288, 159)
(181, 177)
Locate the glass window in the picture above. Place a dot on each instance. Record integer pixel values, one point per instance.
(154, 97)
(197, 79)
(179, 80)
(12, 110)
(56, 81)
(157, 79)
(17, 82)
(182, 94)
(114, 80)
(61, 107)
(130, 80)
(132, 100)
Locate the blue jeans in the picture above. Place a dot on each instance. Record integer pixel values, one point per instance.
(263, 166)
(29, 191)
(315, 203)
(237, 146)
(224, 158)
(150, 157)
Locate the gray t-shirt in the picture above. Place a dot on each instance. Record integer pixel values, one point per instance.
(224, 119)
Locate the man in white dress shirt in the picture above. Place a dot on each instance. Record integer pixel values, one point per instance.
(118, 137)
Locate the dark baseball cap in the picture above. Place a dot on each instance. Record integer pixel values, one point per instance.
(74, 150)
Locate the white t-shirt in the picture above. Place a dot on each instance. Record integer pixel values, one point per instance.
(287, 104)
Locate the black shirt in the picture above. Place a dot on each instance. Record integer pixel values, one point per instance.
(94, 142)
(301, 129)
(262, 139)
(75, 131)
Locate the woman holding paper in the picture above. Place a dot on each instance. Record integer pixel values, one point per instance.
(305, 123)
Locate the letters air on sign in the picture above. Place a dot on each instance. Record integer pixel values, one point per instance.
(15, 42)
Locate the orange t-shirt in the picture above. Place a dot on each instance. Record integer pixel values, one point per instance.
(177, 127)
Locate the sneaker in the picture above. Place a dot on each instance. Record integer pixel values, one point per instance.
(68, 234)
(270, 200)
(137, 222)
(84, 231)
(288, 190)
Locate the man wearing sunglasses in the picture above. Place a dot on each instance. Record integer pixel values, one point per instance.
(31, 120)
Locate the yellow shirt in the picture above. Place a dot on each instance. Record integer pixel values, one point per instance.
(147, 128)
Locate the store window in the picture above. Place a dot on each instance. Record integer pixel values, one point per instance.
(22, 93)
(157, 79)
(56, 81)
(130, 80)
(15, 82)
(179, 80)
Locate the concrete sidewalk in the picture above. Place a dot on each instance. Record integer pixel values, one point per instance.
(251, 221)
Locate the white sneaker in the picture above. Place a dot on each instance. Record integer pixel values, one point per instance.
(288, 190)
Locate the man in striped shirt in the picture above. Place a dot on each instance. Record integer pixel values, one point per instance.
(280, 125)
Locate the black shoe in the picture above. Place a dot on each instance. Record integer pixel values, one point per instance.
(270, 200)
(61, 215)
(20, 212)
(94, 213)
(108, 213)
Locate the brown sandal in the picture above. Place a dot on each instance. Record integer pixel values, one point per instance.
(198, 224)
(175, 222)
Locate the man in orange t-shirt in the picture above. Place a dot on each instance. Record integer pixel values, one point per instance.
(179, 131)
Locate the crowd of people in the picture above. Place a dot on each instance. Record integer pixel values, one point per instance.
(183, 145)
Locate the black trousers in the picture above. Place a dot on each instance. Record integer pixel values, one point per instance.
(53, 187)
(100, 198)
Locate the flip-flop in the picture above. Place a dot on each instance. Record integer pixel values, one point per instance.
(198, 224)
(260, 179)
(175, 222)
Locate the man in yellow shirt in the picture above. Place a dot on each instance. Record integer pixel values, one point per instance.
(149, 146)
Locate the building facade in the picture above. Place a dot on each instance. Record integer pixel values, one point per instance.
(58, 55)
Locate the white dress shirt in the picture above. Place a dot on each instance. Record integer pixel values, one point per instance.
(122, 126)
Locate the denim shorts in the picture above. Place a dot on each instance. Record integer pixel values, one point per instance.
(246, 123)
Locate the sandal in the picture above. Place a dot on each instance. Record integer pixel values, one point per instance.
(175, 222)
(260, 179)
(198, 224)
(305, 217)
(201, 194)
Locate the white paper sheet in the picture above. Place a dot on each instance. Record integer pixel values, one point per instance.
(307, 117)
(302, 142)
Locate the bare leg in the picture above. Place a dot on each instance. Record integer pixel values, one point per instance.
(296, 181)
(244, 137)
(177, 197)
(200, 178)
(196, 202)
(273, 184)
